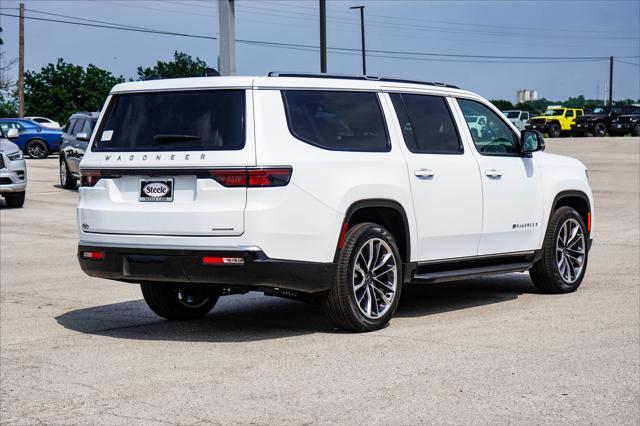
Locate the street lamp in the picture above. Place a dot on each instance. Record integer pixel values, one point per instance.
(364, 59)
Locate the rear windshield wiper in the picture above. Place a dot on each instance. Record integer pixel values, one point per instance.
(175, 138)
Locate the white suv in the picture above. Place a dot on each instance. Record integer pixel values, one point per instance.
(321, 188)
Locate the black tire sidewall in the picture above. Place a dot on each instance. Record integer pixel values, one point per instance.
(599, 130)
(560, 217)
(40, 142)
(362, 234)
(554, 131)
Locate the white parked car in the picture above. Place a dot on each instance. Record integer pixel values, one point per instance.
(321, 188)
(476, 124)
(13, 170)
(520, 119)
(45, 122)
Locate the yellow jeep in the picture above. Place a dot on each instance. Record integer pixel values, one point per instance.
(555, 120)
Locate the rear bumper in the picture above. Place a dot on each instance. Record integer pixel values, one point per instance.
(185, 266)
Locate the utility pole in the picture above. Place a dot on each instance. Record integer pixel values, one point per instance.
(323, 36)
(21, 64)
(227, 20)
(364, 57)
(610, 80)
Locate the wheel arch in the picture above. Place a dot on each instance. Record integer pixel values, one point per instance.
(388, 213)
(575, 199)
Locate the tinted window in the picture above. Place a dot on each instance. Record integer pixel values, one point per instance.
(342, 121)
(569, 113)
(426, 124)
(88, 127)
(173, 121)
(69, 126)
(77, 128)
(494, 136)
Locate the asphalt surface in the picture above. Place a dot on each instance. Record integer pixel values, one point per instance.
(75, 349)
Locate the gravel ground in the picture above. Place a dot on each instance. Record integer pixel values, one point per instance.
(75, 349)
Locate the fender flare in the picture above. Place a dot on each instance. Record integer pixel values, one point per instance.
(380, 202)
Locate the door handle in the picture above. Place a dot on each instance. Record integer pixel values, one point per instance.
(424, 173)
(493, 173)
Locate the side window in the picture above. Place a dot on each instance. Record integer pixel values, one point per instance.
(77, 128)
(569, 113)
(69, 127)
(493, 137)
(87, 128)
(426, 124)
(617, 110)
(525, 116)
(335, 120)
(579, 112)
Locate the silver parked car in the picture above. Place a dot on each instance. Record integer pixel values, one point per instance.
(517, 117)
(13, 170)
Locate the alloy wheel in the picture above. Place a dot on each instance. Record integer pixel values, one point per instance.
(570, 251)
(36, 150)
(63, 173)
(375, 278)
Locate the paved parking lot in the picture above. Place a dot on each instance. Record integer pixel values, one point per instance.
(76, 349)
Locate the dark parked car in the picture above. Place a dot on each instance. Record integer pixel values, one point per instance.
(598, 123)
(33, 139)
(76, 136)
(624, 124)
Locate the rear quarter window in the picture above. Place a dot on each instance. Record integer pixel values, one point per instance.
(337, 120)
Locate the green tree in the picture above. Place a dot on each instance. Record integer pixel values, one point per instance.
(183, 65)
(58, 90)
(502, 104)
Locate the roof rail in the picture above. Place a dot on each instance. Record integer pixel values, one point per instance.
(358, 77)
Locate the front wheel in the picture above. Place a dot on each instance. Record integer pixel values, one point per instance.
(564, 253)
(37, 149)
(554, 130)
(14, 199)
(67, 181)
(599, 130)
(368, 280)
(178, 302)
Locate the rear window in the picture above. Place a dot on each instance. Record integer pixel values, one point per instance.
(338, 121)
(200, 120)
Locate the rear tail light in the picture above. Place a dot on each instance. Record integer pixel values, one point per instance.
(252, 178)
(93, 255)
(89, 177)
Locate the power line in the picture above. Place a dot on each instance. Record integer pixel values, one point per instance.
(444, 57)
(472, 24)
(625, 62)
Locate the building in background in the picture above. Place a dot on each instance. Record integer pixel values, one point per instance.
(526, 95)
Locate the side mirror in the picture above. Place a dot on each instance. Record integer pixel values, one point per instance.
(531, 141)
(12, 133)
(82, 136)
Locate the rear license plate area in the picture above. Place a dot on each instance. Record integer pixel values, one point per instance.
(156, 190)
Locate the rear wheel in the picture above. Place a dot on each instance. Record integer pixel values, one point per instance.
(368, 280)
(564, 253)
(67, 181)
(599, 129)
(14, 199)
(179, 302)
(37, 149)
(554, 130)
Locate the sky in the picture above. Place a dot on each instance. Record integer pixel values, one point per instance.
(398, 35)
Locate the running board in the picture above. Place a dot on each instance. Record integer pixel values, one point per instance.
(456, 274)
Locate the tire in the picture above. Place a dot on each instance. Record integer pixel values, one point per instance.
(14, 199)
(547, 274)
(636, 130)
(599, 130)
(67, 181)
(171, 301)
(350, 304)
(554, 130)
(37, 149)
